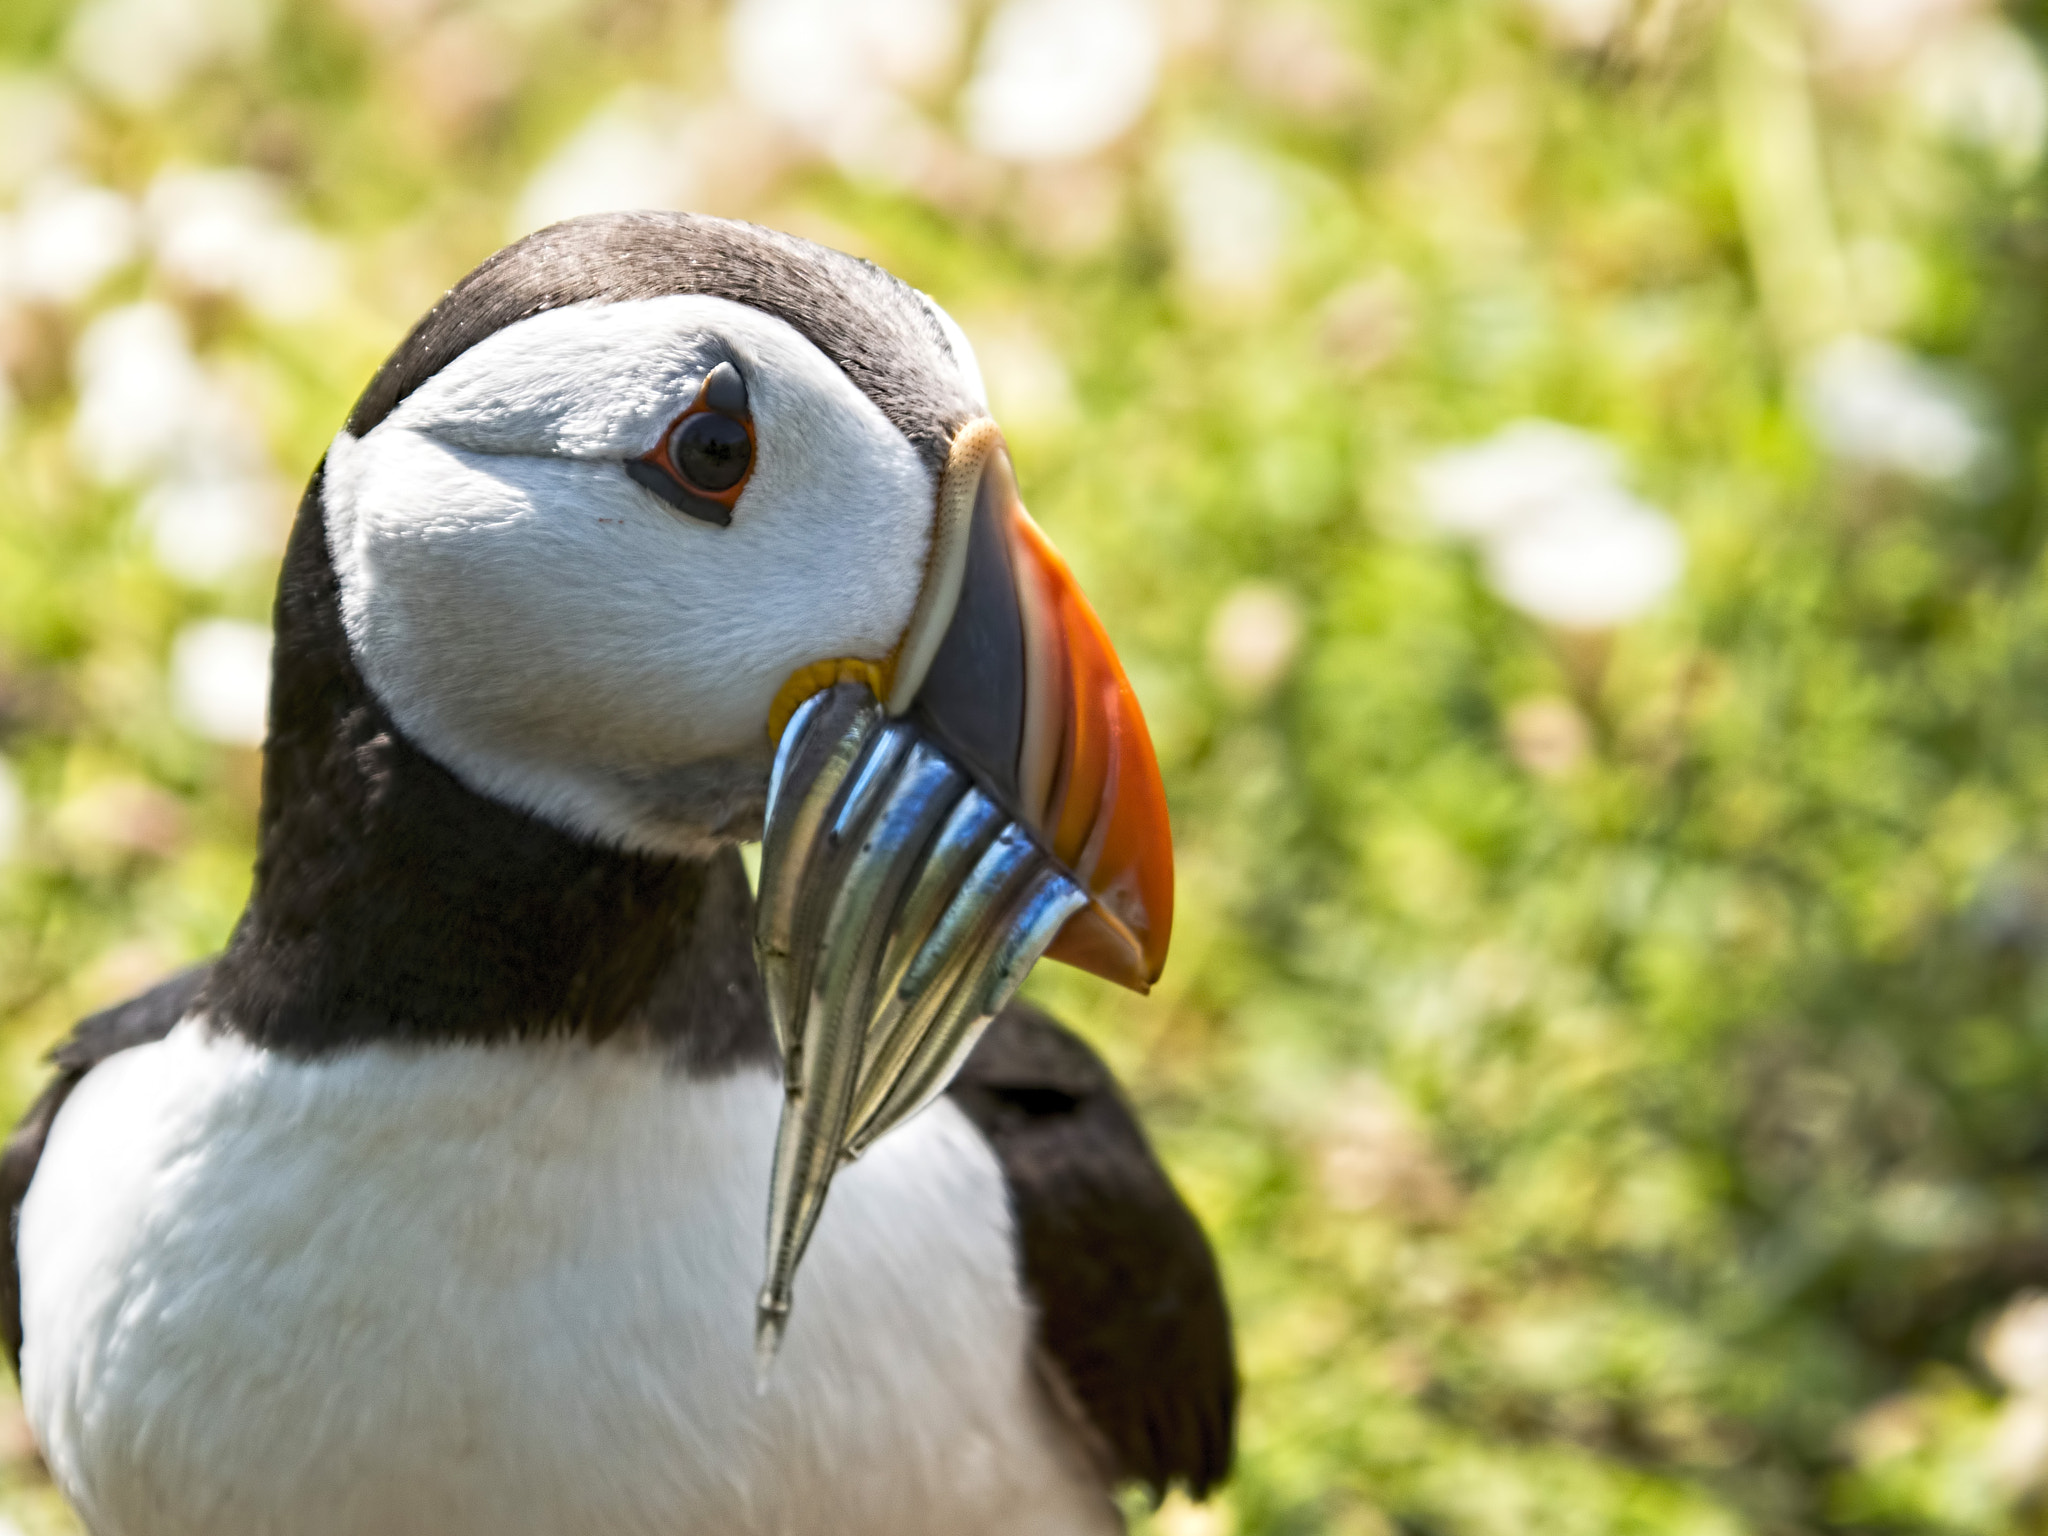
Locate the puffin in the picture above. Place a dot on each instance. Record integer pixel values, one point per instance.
(433, 1204)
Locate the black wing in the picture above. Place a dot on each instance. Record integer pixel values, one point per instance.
(138, 1021)
(1131, 1315)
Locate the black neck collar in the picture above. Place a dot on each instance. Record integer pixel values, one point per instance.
(393, 904)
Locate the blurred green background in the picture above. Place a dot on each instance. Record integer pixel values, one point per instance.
(1566, 477)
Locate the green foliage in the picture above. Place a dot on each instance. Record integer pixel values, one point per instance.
(1613, 1065)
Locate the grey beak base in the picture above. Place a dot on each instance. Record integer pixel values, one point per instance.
(969, 702)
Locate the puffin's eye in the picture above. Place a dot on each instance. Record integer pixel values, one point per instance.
(704, 458)
(714, 452)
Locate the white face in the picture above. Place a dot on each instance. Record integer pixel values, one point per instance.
(566, 641)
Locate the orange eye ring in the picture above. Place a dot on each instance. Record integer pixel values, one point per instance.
(701, 448)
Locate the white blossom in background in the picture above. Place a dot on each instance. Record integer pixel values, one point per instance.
(64, 240)
(38, 126)
(220, 680)
(633, 152)
(227, 231)
(839, 74)
(1580, 23)
(1561, 538)
(1876, 405)
(1593, 563)
(2016, 1452)
(1982, 84)
(203, 527)
(1059, 79)
(136, 378)
(148, 411)
(1231, 219)
(1520, 472)
(140, 53)
(1254, 636)
(2015, 1346)
(13, 811)
(145, 404)
(1875, 34)
(1028, 383)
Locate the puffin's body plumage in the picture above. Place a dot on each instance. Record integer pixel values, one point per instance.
(434, 1204)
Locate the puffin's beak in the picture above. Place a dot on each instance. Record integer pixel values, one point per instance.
(1022, 688)
(1005, 666)
(937, 822)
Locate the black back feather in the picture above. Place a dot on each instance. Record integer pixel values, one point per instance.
(1131, 1311)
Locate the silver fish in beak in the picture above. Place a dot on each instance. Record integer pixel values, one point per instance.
(938, 822)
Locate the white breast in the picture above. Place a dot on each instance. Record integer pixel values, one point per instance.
(509, 1290)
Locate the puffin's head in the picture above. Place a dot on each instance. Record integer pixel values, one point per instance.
(642, 483)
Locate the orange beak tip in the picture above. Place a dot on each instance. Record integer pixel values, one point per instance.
(1104, 806)
(1095, 942)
